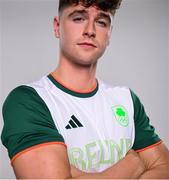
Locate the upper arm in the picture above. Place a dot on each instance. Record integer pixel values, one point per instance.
(27, 121)
(45, 162)
(155, 156)
(145, 135)
(147, 143)
(30, 135)
(156, 160)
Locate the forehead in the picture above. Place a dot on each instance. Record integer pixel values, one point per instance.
(92, 10)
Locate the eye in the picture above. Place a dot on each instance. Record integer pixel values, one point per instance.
(102, 23)
(78, 19)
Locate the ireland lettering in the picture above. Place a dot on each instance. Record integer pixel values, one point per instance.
(99, 154)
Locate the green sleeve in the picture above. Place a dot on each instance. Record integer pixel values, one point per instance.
(27, 121)
(144, 132)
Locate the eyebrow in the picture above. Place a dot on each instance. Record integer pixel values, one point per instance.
(84, 12)
(77, 12)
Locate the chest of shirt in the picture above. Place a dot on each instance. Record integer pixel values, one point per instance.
(98, 131)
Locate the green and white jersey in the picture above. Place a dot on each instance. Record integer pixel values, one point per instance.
(98, 128)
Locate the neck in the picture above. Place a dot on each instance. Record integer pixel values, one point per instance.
(79, 78)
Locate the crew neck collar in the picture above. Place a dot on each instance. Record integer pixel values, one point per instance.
(72, 92)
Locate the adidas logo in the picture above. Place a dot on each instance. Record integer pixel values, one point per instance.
(73, 123)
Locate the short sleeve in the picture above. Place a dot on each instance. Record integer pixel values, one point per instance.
(144, 132)
(27, 121)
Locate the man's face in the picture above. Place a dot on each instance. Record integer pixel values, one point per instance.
(84, 33)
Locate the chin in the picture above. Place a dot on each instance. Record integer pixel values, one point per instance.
(86, 63)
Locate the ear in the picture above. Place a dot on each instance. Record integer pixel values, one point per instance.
(56, 26)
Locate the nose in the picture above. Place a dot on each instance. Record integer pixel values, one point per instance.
(90, 30)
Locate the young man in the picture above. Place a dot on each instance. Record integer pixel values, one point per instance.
(71, 125)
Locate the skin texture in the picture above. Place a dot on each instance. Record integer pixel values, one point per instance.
(83, 39)
(77, 27)
(76, 58)
(152, 163)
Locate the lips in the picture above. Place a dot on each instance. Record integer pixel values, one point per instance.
(87, 44)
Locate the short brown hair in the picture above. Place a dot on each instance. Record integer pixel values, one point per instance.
(105, 5)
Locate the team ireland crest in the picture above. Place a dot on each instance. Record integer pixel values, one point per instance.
(121, 115)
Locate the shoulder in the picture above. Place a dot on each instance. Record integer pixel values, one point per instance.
(26, 94)
(23, 106)
(122, 92)
(109, 87)
(21, 96)
(27, 121)
(22, 92)
(118, 91)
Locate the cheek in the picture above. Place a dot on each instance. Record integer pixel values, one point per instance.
(104, 41)
(72, 29)
(65, 36)
(69, 33)
(103, 36)
(107, 39)
(66, 41)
